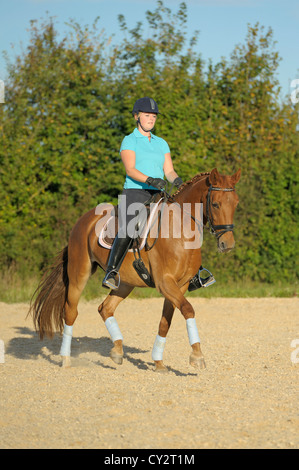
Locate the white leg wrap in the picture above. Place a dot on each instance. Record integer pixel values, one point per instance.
(65, 349)
(113, 329)
(192, 331)
(158, 349)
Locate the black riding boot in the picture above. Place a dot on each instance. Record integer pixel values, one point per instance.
(118, 252)
(197, 281)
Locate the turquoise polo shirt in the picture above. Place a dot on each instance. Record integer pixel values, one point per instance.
(149, 157)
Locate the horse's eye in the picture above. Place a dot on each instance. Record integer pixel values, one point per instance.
(216, 205)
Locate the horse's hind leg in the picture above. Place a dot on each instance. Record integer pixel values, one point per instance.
(165, 322)
(78, 274)
(172, 292)
(106, 310)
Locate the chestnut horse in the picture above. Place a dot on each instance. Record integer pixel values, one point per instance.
(170, 263)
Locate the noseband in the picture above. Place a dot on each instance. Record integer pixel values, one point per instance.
(213, 228)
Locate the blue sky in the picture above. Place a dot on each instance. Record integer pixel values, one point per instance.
(222, 24)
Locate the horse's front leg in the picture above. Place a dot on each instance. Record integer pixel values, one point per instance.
(196, 358)
(174, 294)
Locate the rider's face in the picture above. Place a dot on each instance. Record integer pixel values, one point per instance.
(147, 120)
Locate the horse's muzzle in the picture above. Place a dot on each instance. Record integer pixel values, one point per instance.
(224, 246)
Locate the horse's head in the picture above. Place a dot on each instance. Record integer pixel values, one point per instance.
(221, 204)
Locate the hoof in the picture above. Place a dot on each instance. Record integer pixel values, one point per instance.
(116, 357)
(66, 362)
(161, 368)
(197, 362)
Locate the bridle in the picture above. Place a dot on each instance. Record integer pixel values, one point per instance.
(214, 228)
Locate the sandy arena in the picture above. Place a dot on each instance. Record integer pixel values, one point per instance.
(248, 397)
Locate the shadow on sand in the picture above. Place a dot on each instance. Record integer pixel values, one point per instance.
(27, 346)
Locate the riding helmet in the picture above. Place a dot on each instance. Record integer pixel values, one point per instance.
(145, 105)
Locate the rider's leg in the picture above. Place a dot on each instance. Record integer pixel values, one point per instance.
(131, 203)
(197, 281)
(118, 252)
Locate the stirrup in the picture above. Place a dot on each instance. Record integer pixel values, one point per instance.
(109, 285)
(197, 282)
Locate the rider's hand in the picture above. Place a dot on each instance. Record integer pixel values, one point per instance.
(178, 182)
(156, 182)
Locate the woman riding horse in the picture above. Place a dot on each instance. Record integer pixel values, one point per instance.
(147, 159)
(171, 264)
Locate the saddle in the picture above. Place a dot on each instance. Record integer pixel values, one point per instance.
(146, 220)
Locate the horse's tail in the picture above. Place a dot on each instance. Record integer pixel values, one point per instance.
(50, 296)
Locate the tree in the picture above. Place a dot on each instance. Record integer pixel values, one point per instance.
(59, 141)
(68, 106)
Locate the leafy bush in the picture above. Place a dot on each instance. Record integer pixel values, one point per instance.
(68, 106)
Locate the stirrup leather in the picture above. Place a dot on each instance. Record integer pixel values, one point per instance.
(197, 281)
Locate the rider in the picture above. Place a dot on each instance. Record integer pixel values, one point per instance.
(146, 159)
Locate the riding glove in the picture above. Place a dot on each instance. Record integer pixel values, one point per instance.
(178, 182)
(156, 182)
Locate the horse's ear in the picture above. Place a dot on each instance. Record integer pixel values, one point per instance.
(214, 176)
(235, 178)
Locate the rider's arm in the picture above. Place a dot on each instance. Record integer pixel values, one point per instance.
(128, 159)
(168, 169)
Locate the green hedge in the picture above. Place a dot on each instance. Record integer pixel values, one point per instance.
(68, 106)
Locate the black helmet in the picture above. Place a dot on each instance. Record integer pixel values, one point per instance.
(145, 105)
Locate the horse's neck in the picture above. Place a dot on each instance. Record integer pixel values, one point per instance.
(193, 192)
(186, 230)
(192, 196)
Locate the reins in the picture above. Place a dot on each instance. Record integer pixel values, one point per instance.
(213, 228)
(166, 197)
(138, 263)
(216, 230)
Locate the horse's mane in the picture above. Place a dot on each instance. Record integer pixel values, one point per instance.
(191, 181)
